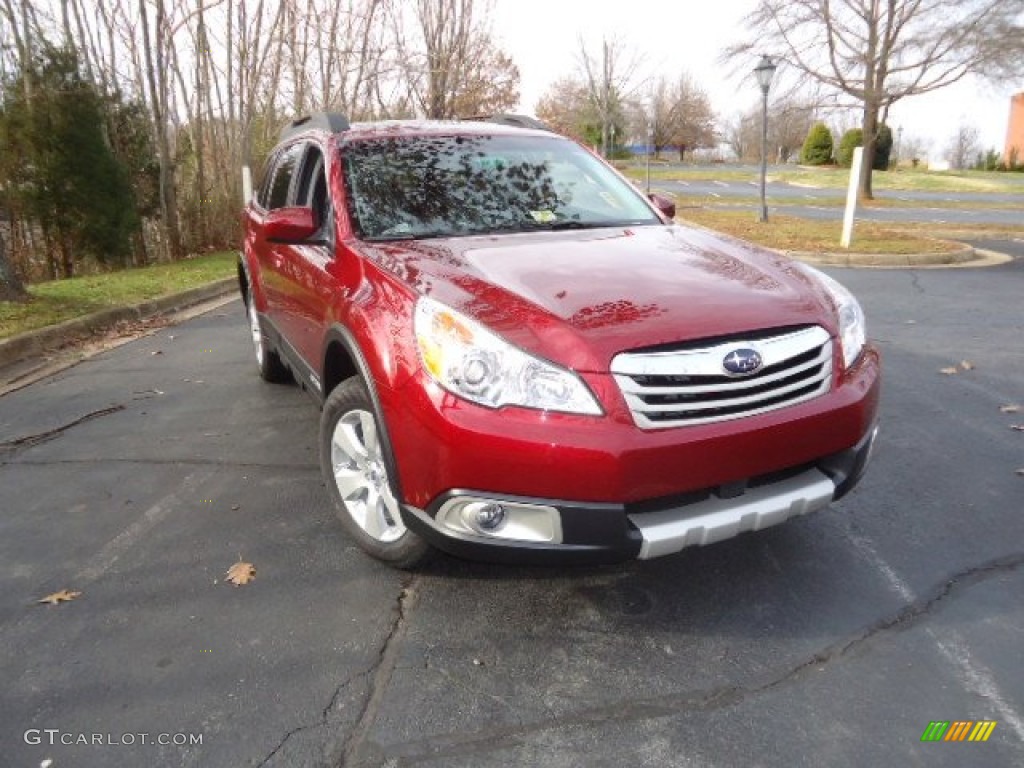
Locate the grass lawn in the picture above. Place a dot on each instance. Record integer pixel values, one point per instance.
(789, 233)
(59, 300)
(899, 180)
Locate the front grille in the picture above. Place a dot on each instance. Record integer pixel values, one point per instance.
(691, 386)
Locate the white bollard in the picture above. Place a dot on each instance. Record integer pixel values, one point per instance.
(246, 185)
(851, 197)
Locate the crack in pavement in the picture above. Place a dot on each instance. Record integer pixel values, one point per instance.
(352, 748)
(28, 441)
(487, 740)
(915, 280)
(324, 715)
(379, 674)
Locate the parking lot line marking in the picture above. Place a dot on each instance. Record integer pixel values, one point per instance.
(104, 560)
(953, 647)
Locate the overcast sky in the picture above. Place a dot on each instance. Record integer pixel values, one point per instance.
(682, 35)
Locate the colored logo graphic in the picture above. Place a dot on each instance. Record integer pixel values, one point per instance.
(958, 730)
(742, 361)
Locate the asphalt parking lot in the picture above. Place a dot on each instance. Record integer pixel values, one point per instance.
(998, 209)
(141, 475)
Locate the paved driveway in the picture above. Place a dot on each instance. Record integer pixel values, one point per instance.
(141, 475)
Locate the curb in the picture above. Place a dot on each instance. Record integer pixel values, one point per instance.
(33, 343)
(964, 255)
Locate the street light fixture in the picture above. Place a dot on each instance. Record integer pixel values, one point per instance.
(765, 71)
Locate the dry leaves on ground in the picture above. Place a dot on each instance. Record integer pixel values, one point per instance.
(241, 573)
(64, 596)
(967, 365)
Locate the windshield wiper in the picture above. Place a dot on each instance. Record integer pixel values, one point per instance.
(578, 224)
(406, 236)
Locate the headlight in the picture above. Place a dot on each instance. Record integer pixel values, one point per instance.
(471, 362)
(852, 327)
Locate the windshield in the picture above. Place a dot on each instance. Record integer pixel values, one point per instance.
(445, 186)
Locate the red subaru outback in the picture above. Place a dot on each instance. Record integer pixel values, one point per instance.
(521, 358)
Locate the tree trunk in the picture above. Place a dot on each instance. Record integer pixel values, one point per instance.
(156, 72)
(11, 287)
(870, 129)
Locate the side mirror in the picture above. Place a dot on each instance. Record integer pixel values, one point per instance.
(663, 204)
(289, 225)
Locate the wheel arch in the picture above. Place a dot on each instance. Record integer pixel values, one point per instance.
(342, 358)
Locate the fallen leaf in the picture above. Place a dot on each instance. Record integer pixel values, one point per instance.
(241, 573)
(951, 371)
(967, 365)
(1017, 427)
(64, 596)
(235, 507)
(1009, 408)
(157, 352)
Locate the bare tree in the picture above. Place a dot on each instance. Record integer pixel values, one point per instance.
(691, 121)
(610, 79)
(566, 107)
(914, 148)
(880, 51)
(963, 147)
(788, 124)
(450, 62)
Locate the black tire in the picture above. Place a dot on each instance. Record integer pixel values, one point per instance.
(357, 470)
(268, 361)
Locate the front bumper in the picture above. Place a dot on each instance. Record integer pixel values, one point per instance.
(600, 533)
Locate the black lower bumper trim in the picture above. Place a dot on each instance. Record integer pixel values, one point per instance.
(594, 533)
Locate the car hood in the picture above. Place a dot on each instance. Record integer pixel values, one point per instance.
(579, 297)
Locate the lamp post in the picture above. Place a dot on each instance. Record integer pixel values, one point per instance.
(764, 71)
(650, 147)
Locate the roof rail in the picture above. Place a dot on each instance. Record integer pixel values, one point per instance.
(516, 121)
(333, 122)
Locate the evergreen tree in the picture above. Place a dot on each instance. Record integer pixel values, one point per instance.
(883, 148)
(817, 149)
(852, 139)
(63, 173)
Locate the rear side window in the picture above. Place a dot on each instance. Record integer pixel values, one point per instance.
(282, 179)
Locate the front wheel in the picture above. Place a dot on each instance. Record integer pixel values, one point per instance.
(353, 463)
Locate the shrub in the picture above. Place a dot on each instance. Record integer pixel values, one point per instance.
(883, 148)
(851, 139)
(817, 149)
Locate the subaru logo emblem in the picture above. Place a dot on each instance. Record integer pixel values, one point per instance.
(741, 362)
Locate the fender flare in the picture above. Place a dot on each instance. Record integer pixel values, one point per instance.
(342, 335)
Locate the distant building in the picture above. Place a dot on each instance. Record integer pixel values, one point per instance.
(1015, 131)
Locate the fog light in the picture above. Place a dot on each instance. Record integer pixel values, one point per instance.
(485, 517)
